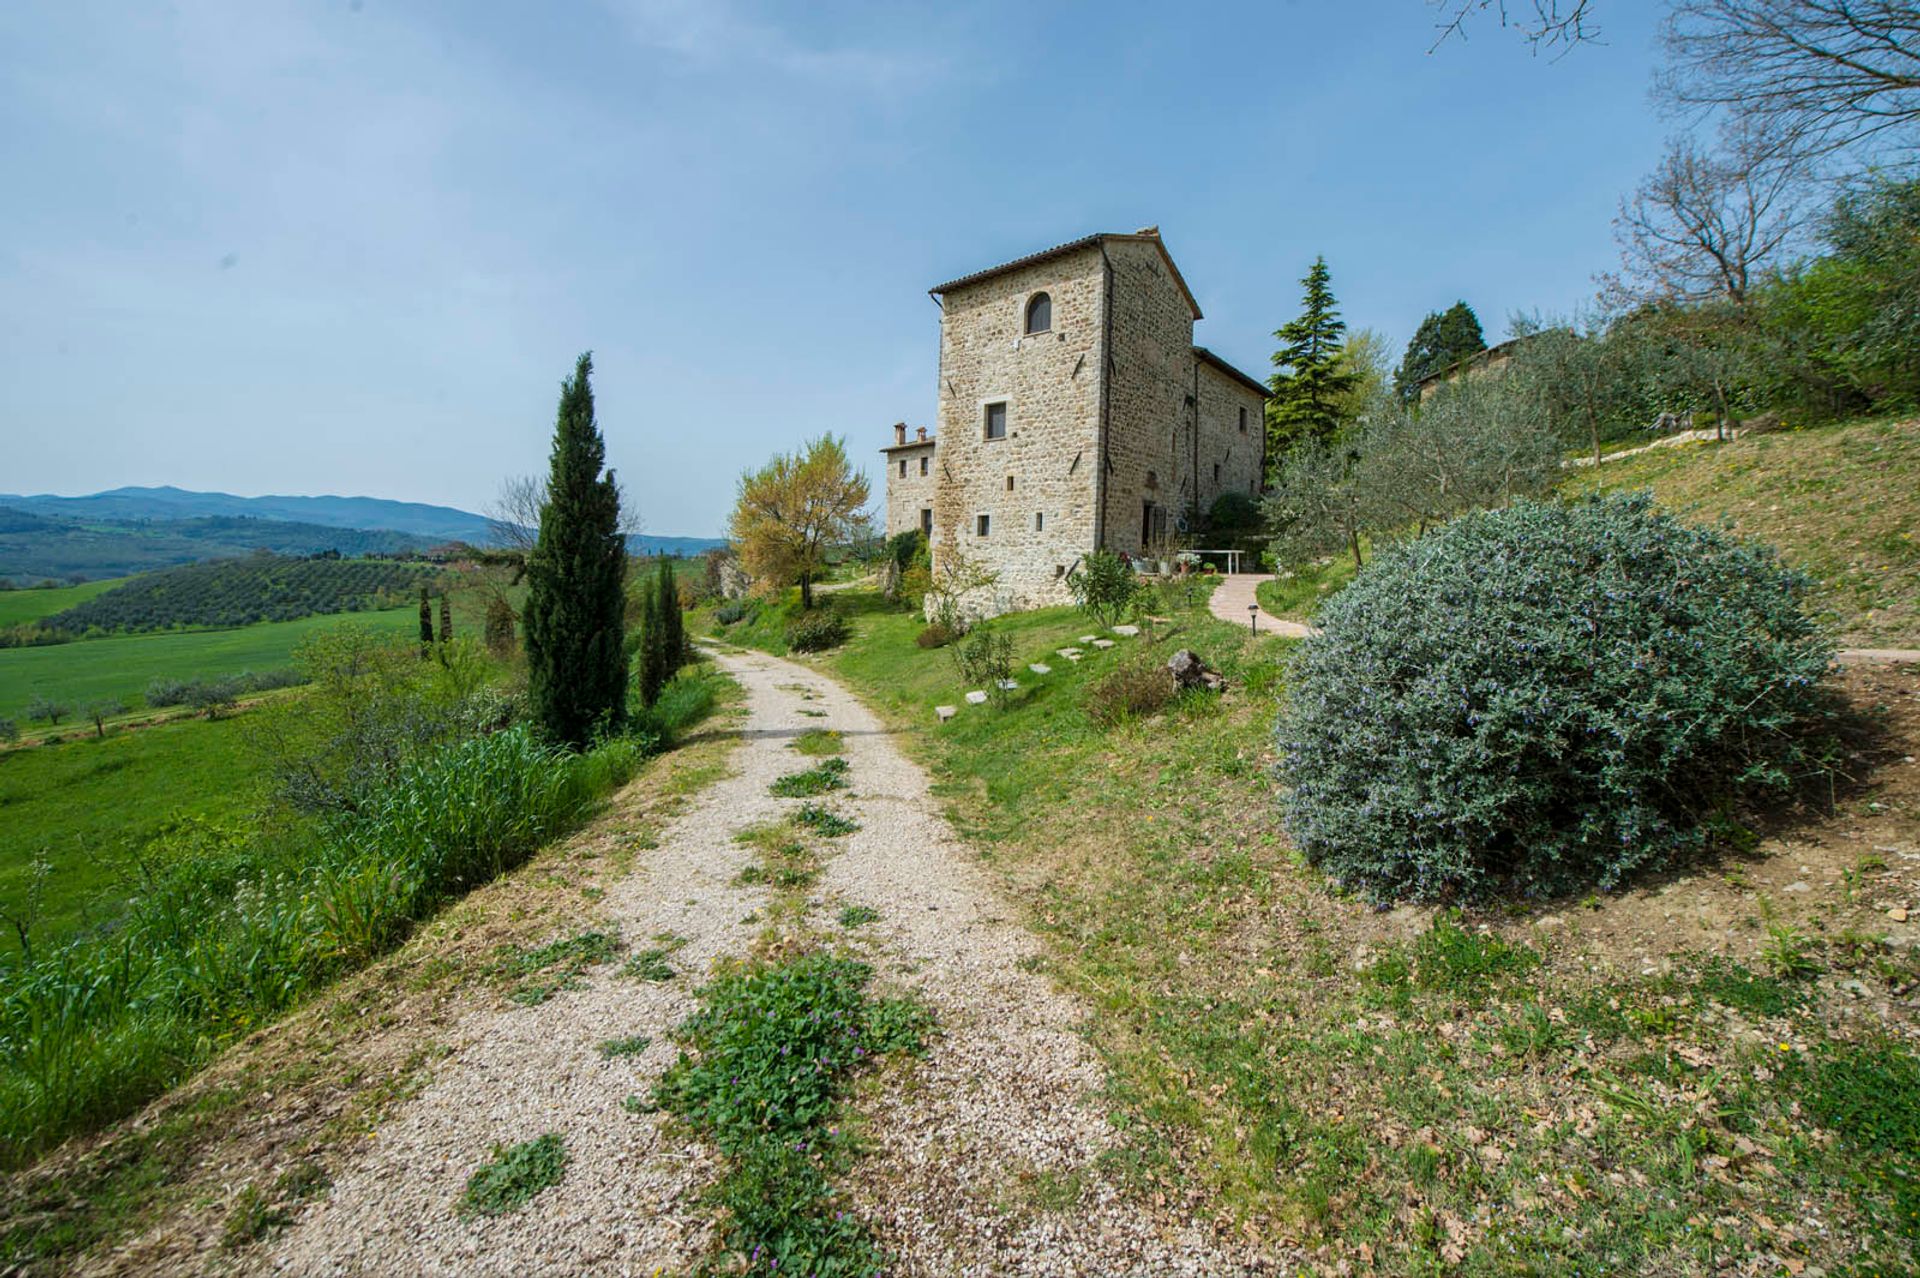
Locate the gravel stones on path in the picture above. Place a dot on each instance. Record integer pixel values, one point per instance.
(1006, 1093)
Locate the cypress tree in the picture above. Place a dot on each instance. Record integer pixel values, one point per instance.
(1307, 395)
(446, 621)
(673, 625)
(426, 623)
(573, 621)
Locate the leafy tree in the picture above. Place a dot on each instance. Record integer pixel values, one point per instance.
(102, 710)
(791, 511)
(9, 731)
(1475, 444)
(1443, 339)
(1364, 356)
(43, 709)
(1309, 389)
(573, 622)
(1321, 501)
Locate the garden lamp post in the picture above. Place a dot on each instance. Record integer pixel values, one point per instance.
(1253, 617)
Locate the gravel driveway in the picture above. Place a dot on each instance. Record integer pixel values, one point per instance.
(984, 1154)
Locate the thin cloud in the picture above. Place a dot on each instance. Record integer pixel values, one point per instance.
(712, 35)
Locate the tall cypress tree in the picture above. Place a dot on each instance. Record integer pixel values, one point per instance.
(1306, 401)
(426, 623)
(446, 620)
(672, 623)
(663, 636)
(576, 576)
(1443, 339)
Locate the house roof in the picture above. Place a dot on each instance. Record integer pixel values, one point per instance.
(1149, 235)
(1206, 356)
(910, 445)
(1482, 356)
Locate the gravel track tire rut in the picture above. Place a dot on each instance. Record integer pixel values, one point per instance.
(1005, 1098)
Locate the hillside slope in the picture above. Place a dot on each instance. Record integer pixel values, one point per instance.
(33, 547)
(1842, 503)
(437, 523)
(240, 592)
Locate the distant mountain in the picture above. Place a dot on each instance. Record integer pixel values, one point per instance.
(129, 530)
(435, 523)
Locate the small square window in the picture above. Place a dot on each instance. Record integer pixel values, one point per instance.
(981, 523)
(996, 421)
(1039, 522)
(923, 465)
(903, 468)
(1009, 483)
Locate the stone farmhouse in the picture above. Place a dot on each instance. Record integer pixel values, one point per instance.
(1075, 414)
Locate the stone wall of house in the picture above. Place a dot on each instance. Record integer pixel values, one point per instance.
(1151, 409)
(911, 479)
(1036, 486)
(1230, 458)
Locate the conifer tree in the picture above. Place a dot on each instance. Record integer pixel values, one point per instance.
(573, 621)
(662, 649)
(673, 625)
(499, 627)
(1443, 339)
(426, 623)
(1310, 389)
(446, 621)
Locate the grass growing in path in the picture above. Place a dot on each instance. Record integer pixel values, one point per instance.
(819, 741)
(513, 1175)
(769, 1056)
(829, 775)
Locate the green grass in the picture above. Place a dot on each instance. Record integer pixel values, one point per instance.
(17, 606)
(830, 775)
(123, 665)
(779, 1127)
(514, 1175)
(1836, 501)
(819, 741)
(1435, 1100)
(858, 916)
(631, 1045)
(1297, 592)
(87, 805)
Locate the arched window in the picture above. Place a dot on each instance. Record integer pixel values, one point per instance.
(1039, 313)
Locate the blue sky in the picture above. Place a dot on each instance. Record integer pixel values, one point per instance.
(352, 247)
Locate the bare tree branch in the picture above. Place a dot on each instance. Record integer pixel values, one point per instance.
(1702, 225)
(1546, 24)
(1819, 75)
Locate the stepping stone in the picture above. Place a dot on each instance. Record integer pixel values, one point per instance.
(976, 698)
(1068, 653)
(1039, 669)
(1103, 643)
(946, 712)
(1128, 631)
(1072, 656)
(1086, 638)
(1007, 685)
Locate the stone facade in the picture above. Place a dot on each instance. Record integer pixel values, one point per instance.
(1106, 427)
(910, 481)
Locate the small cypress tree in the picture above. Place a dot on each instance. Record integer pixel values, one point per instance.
(426, 623)
(499, 627)
(573, 622)
(446, 621)
(673, 624)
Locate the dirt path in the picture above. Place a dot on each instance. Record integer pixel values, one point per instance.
(1235, 594)
(1004, 1099)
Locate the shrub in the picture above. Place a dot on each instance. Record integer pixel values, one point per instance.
(1103, 586)
(1233, 512)
(1546, 697)
(903, 548)
(46, 710)
(936, 635)
(817, 630)
(731, 611)
(9, 730)
(1140, 686)
(985, 658)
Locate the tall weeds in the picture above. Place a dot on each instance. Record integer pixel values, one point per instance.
(237, 927)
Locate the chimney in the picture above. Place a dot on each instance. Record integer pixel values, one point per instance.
(899, 433)
(1149, 230)
(923, 434)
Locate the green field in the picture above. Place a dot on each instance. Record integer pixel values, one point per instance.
(123, 665)
(85, 803)
(17, 606)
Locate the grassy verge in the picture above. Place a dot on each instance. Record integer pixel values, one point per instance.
(1837, 501)
(19, 606)
(1297, 593)
(232, 1153)
(1406, 1092)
